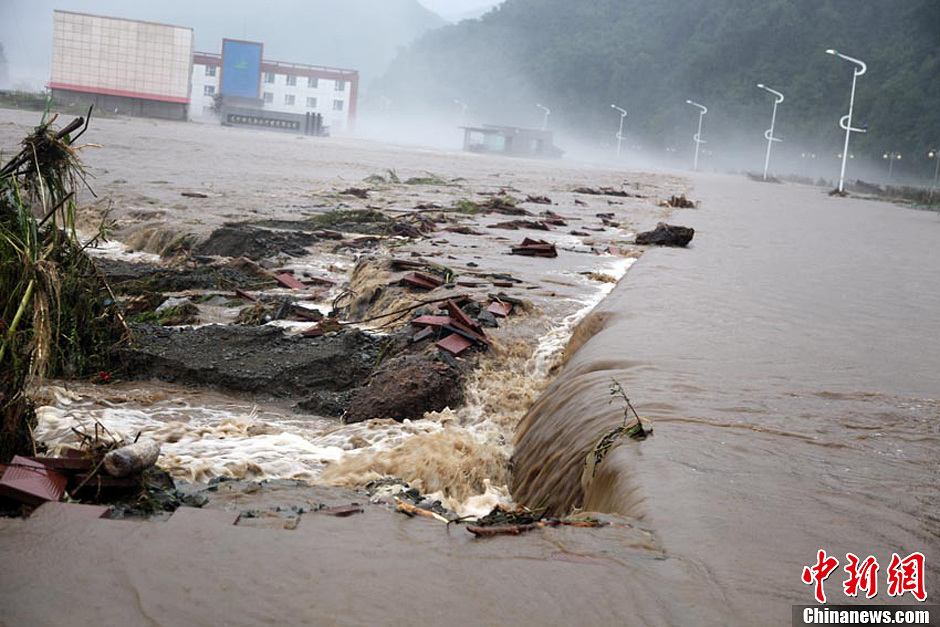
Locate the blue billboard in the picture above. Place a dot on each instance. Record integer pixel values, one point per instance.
(241, 68)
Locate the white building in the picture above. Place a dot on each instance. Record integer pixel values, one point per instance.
(130, 66)
(284, 88)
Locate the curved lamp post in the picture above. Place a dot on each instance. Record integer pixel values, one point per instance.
(698, 136)
(769, 133)
(623, 114)
(545, 119)
(846, 121)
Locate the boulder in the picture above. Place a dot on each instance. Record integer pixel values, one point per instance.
(666, 235)
(406, 388)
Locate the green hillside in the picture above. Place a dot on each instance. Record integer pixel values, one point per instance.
(650, 56)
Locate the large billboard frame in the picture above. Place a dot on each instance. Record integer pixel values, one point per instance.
(240, 90)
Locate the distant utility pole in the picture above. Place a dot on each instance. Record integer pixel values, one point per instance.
(846, 121)
(544, 119)
(623, 114)
(698, 135)
(769, 133)
(463, 111)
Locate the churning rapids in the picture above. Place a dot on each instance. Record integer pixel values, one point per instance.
(789, 361)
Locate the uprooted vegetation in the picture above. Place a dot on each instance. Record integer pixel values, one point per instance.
(58, 315)
(391, 178)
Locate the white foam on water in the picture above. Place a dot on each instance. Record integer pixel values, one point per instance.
(460, 457)
(113, 249)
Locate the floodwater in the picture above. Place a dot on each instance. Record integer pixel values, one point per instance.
(140, 168)
(787, 359)
(789, 362)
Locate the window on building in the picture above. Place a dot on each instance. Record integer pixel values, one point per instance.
(311, 103)
(268, 77)
(291, 79)
(340, 85)
(268, 97)
(210, 70)
(337, 105)
(208, 90)
(289, 99)
(312, 82)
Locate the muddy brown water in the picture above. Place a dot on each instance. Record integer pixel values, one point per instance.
(789, 361)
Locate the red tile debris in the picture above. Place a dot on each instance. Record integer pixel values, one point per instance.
(535, 248)
(431, 321)
(503, 284)
(319, 280)
(64, 465)
(469, 283)
(290, 281)
(454, 344)
(30, 482)
(240, 293)
(416, 279)
(459, 316)
(500, 310)
(467, 332)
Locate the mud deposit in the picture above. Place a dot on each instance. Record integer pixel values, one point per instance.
(259, 360)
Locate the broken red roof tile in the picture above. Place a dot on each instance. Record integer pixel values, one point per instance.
(290, 281)
(459, 316)
(30, 482)
(454, 344)
(500, 310)
(431, 321)
(412, 279)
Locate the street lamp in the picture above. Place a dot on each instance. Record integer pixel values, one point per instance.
(891, 158)
(623, 114)
(846, 121)
(698, 135)
(934, 154)
(769, 133)
(545, 119)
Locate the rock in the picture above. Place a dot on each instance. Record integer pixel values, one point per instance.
(406, 388)
(666, 235)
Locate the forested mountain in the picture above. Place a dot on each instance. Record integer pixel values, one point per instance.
(649, 56)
